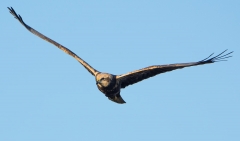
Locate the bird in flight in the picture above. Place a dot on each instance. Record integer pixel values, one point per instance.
(110, 84)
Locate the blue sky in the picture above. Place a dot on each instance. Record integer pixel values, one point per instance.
(46, 95)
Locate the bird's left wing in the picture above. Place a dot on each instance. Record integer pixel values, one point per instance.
(139, 75)
(66, 50)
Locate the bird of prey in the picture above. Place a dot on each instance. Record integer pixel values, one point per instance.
(110, 84)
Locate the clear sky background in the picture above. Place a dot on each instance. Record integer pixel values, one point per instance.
(46, 95)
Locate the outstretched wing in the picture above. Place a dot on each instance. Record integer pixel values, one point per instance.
(66, 50)
(139, 75)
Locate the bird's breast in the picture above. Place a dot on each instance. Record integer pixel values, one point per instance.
(112, 89)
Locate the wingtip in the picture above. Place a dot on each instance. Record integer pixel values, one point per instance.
(217, 58)
(10, 9)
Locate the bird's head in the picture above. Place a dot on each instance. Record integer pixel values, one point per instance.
(104, 79)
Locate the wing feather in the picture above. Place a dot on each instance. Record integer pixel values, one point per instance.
(66, 50)
(139, 75)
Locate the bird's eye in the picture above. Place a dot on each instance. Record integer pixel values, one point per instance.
(102, 78)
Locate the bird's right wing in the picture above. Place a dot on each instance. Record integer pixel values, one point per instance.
(139, 75)
(66, 50)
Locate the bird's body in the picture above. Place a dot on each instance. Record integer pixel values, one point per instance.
(110, 84)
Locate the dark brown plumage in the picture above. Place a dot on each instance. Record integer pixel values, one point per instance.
(110, 84)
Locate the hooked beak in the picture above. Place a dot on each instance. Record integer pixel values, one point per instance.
(98, 82)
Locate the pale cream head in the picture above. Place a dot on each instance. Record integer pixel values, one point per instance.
(104, 79)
